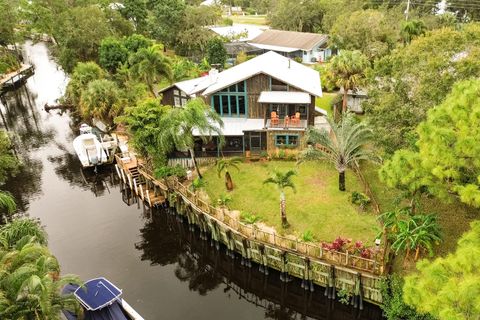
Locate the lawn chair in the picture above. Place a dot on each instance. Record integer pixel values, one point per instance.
(296, 119)
(274, 119)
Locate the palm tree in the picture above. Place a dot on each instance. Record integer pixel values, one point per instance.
(101, 100)
(224, 165)
(179, 129)
(411, 29)
(282, 181)
(150, 65)
(343, 146)
(7, 204)
(348, 70)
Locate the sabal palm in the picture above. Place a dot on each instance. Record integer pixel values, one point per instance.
(348, 70)
(179, 129)
(101, 100)
(30, 284)
(224, 165)
(282, 180)
(150, 65)
(7, 204)
(343, 146)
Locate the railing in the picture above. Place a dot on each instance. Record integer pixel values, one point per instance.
(290, 124)
(286, 243)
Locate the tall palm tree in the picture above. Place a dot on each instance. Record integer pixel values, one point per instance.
(343, 146)
(348, 70)
(411, 29)
(7, 204)
(101, 100)
(182, 122)
(224, 165)
(282, 181)
(150, 65)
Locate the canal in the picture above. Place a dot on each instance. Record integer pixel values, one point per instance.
(165, 270)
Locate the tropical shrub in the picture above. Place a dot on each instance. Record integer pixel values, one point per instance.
(307, 236)
(360, 199)
(249, 218)
(345, 245)
(224, 200)
(169, 171)
(198, 183)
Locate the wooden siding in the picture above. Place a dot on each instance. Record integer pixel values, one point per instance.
(272, 148)
(255, 85)
(167, 96)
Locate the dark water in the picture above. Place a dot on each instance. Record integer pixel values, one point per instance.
(165, 270)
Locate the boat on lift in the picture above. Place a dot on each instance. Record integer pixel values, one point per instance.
(93, 150)
(100, 300)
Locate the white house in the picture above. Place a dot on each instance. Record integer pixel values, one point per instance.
(310, 47)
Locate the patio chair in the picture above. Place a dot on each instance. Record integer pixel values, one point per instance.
(274, 119)
(296, 119)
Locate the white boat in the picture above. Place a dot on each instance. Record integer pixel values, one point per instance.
(90, 151)
(100, 300)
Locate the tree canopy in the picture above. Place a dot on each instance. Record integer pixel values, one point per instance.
(448, 287)
(407, 83)
(447, 162)
(216, 52)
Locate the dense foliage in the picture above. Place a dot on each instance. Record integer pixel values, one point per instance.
(447, 162)
(413, 79)
(448, 287)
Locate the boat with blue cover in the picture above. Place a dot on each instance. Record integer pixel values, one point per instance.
(100, 300)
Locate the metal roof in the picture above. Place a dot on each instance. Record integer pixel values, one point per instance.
(290, 39)
(288, 97)
(234, 126)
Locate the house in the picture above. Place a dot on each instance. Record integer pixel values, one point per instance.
(310, 47)
(355, 98)
(266, 104)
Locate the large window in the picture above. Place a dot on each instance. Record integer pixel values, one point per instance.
(179, 98)
(231, 101)
(286, 140)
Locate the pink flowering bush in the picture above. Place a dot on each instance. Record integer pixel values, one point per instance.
(346, 245)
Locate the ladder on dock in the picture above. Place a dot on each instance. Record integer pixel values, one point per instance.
(143, 188)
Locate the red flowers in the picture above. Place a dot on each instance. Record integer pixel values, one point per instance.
(345, 245)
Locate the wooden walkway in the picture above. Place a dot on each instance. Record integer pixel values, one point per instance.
(147, 190)
(13, 78)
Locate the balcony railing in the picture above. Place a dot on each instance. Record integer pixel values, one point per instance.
(283, 124)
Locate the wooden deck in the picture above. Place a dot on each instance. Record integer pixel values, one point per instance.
(149, 192)
(11, 79)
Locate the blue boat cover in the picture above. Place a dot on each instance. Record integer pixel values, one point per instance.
(97, 293)
(110, 312)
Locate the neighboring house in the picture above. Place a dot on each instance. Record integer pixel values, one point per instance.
(266, 104)
(239, 32)
(310, 47)
(355, 98)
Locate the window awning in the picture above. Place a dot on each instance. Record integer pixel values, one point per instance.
(234, 127)
(288, 97)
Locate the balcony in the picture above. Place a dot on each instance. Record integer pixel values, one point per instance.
(283, 124)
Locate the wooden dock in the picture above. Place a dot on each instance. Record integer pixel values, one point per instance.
(140, 182)
(12, 79)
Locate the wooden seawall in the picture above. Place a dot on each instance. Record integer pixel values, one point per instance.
(336, 271)
(10, 80)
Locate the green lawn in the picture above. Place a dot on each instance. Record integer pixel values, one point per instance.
(317, 205)
(250, 19)
(326, 102)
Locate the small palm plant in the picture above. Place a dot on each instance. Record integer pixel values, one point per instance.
(343, 146)
(282, 181)
(224, 165)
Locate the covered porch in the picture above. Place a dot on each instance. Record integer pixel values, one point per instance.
(285, 109)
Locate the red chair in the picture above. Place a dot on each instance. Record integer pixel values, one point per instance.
(274, 119)
(296, 119)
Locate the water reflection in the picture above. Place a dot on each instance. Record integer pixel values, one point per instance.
(167, 240)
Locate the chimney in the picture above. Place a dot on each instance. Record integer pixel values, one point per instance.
(213, 75)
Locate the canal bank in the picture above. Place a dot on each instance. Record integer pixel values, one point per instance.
(92, 232)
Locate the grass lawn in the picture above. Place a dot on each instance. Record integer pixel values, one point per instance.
(454, 217)
(250, 19)
(317, 205)
(326, 102)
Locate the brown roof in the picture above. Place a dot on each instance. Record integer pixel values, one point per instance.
(290, 39)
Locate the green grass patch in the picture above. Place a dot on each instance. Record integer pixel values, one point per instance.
(250, 19)
(326, 102)
(317, 206)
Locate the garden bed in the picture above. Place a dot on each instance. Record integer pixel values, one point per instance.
(317, 206)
